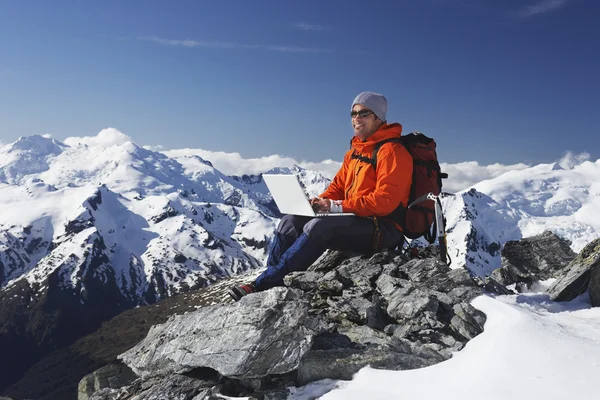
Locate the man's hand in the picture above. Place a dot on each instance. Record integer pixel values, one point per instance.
(320, 205)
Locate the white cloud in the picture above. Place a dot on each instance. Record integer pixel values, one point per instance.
(158, 147)
(106, 138)
(231, 45)
(461, 175)
(541, 7)
(304, 26)
(570, 160)
(464, 175)
(235, 164)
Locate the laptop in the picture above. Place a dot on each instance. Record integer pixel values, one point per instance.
(290, 197)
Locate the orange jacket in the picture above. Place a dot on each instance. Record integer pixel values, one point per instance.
(367, 192)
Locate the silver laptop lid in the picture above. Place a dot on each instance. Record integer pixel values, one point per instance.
(288, 194)
(290, 197)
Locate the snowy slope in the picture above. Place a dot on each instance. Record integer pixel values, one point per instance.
(531, 348)
(520, 204)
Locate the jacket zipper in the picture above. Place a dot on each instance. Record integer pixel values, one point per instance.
(353, 179)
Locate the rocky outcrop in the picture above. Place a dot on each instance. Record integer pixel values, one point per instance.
(111, 376)
(580, 275)
(261, 335)
(329, 322)
(533, 259)
(594, 287)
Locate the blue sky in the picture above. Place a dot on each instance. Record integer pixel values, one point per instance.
(495, 81)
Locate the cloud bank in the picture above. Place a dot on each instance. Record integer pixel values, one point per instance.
(235, 164)
(462, 176)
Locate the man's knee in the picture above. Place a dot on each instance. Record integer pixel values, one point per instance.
(288, 225)
(318, 228)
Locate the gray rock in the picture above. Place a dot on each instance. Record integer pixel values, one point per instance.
(533, 259)
(330, 285)
(421, 270)
(359, 273)
(377, 316)
(425, 322)
(461, 293)
(401, 331)
(111, 376)
(408, 303)
(333, 259)
(448, 281)
(364, 335)
(107, 394)
(351, 308)
(305, 281)
(594, 287)
(387, 285)
(344, 363)
(404, 300)
(264, 333)
(467, 321)
(281, 394)
(577, 274)
(443, 297)
(493, 286)
(173, 387)
(331, 340)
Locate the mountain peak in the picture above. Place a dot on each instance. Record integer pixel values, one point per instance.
(39, 145)
(28, 155)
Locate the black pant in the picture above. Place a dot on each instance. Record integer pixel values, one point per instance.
(299, 241)
(342, 233)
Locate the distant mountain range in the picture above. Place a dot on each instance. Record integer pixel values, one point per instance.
(88, 231)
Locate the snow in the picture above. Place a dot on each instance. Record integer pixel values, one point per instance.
(562, 197)
(531, 348)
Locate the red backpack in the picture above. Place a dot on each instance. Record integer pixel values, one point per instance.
(427, 177)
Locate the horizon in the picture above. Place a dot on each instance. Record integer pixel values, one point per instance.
(276, 79)
(462, 175)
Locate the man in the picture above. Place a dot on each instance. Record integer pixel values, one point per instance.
(371, 194)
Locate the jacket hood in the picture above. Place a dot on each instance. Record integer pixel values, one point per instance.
(385, 131)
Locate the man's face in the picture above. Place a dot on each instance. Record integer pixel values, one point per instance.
(364, 126)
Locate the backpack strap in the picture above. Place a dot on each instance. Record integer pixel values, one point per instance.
(373, 159)
(364, 159)
(378, 146)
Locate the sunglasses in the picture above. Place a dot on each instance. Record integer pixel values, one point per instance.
(361, 113)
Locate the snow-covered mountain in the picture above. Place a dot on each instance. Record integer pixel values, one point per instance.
(89, 229)
(93, 226)
(517, 204)
(173, 223)
(162, 224)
